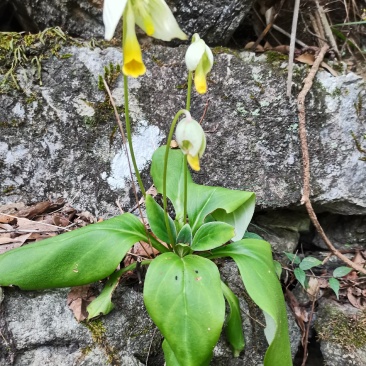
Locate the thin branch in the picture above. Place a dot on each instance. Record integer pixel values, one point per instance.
(307, 330)
(292, 46)
(305, 199)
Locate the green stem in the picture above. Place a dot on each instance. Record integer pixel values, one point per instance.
(127, 117)
(129, 137)
(189, 91)
(165, 203)
(185, 189)
(188, 107)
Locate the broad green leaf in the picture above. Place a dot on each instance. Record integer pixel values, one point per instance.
(278, 268)
(169, 355)
(231, 206)
(185, 235)
(103, 303)
(309, 262)
(254, 260)
(334, 285)
(183, 297)
(75, 258)
(293, 258)
(155, 216)
(233, 329)
(249, 235)
(212, 235)
(300, 276)
(175, 177)
(341, 271)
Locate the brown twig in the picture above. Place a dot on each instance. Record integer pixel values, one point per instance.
(307, 330)
(305, 199)
(268, 27)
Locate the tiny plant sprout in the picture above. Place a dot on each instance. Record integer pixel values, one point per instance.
(192, 140)
(199, 58)
(152, 16)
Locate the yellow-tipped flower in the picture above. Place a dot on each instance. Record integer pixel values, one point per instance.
(152, 16)
(199, 58)
(192, 141)
(132, 56)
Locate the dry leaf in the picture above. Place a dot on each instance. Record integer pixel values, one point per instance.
(313, 288)
(12, 243)
(6, 219)
(78, 299)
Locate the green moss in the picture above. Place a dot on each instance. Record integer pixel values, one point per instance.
(336, 92)
(347, 331)
(274, 57)
(219, 50)
(98, 333)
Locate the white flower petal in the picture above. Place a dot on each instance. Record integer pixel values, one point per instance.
(191, 131)
(194, 54)
(165, 26)
(112, 13)
(210, 57)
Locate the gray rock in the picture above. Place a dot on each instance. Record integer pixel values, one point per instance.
(58, 139)
(214, 20)
(78, 18)
(345, 232)
(341, 332)
(281, 228)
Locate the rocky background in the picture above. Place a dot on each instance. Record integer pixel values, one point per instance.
(58, 139)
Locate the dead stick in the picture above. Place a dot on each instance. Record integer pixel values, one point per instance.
(305, 199)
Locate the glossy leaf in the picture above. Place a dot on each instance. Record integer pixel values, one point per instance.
(175, 177)
(341, 271)
(183, 297)
(249, 235)
(233, 329)
(103, 303)
(334, 285)
(278, 268)
(309, 262)
(155, 216)
(231, 206)
(254, 260)
(185, 235)
(170, 359)
(75, 258)
(293, 258)
(212, 235)
(300, 276)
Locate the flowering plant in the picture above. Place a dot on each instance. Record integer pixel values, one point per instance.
(183, 292)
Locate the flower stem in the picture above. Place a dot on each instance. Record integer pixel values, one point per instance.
(165, 203)
(129, 137)
(189, 91)
(188, 107)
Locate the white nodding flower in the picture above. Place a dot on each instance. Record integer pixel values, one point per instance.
(199, 58)
(153, 16)
(192, 141)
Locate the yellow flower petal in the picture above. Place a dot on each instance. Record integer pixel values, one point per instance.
(132, 56)
(200, 80)
(194, 162)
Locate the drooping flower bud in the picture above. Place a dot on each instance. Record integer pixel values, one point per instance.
(192, 141)
(199, 58)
